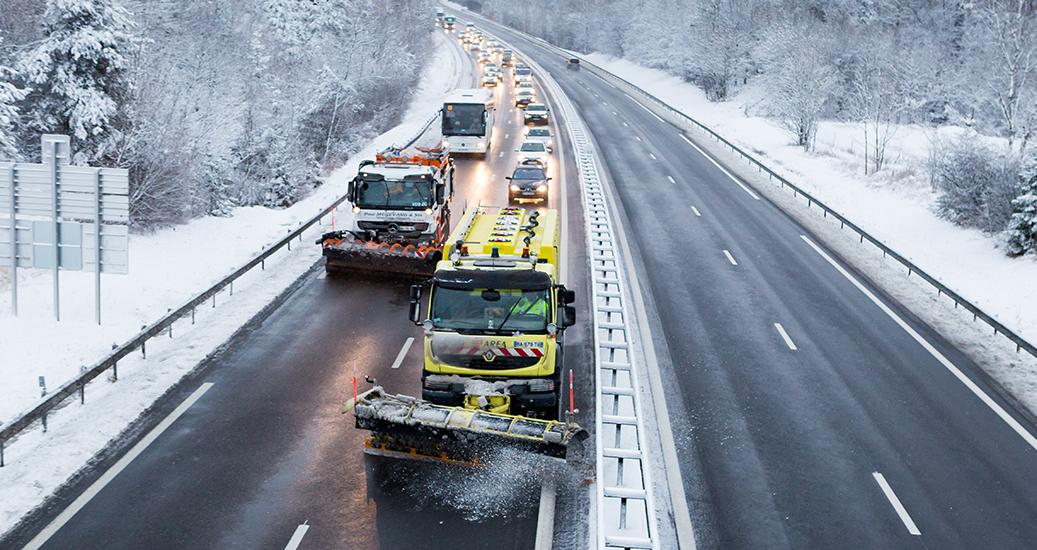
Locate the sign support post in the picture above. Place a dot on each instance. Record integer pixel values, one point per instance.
(14, 244)
(97, 246)
(54, 224)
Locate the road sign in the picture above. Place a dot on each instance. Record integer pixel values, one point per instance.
(63, 217)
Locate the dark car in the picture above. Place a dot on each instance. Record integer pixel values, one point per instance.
(573, 63)
(528, 183)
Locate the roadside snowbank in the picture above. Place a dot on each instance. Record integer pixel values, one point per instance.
(894, 205)
(167, 268)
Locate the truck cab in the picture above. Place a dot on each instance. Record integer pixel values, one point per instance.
(497, 315)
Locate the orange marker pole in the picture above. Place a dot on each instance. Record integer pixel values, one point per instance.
(571, 408)
(354, 383)
(333, 218)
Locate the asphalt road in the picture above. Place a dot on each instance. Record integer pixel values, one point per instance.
(848, 440)
(265, 449)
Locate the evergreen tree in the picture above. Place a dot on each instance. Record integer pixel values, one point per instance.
(1022, 229)
(9, 114)
(219, 193)
(78, 74)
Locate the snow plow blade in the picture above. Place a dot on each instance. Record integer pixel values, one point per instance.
(407, 427)
(345, 253)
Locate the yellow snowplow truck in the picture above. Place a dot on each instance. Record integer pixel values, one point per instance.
(492, 374)
(497, 315)
(400, 215)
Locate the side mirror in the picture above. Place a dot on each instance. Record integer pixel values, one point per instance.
(440, 193)
(567, 296)
(549, 178)
(568, 316)
(350, 189)
(415, 304)
(507, 178)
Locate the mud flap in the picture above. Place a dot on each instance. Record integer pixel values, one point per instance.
(408, 427)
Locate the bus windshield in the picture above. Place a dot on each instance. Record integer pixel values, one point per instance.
(492, 311)
(464, 119)
(405, 194)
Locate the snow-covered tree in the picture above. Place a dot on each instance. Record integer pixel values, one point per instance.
(78, 74)
(10, 95)
(800, 86)
(1021, 236)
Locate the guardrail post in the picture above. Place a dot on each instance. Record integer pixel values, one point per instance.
(214, 300)
(232, 288)
(1, 454)
(43, 419)
(192, 316)
(170, 323)
(262, 264)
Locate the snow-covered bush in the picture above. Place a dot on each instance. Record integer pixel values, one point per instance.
(976, 185)
(1021, 236)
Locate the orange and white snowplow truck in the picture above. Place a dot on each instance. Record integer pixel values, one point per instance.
(400, 214)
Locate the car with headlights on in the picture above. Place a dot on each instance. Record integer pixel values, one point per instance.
(541, 134)
(533, 152)
(529, 182)
(535, 113)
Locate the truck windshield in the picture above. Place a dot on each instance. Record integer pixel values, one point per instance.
(464, 119)
(490, 311)
(394, 194)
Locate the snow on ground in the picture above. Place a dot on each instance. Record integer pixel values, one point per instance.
(894, 205)
(167, 269)
(891, 207)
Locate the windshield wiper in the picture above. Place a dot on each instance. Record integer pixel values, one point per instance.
(500, 328)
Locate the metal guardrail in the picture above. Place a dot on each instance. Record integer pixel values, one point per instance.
(626, 511)
(39, 412)
(912, 269)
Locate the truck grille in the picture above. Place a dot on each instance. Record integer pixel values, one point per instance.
(499, 363)
(384, 226)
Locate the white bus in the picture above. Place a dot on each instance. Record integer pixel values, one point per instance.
(468, 121)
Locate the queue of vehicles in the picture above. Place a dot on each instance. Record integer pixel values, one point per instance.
(496, 312)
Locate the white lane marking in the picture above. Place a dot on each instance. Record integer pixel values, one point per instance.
(615, 113)
(638, 138)
(546, 516)
(673, 181)
(54, 526)
(505, 137)
(625, 124)
(642, 105)
(897, 505)
(998, 410)
(605, 103)
(403, 352)
(653, 156)
(785, 336)
(722, 169)
(501, 155)
(731, 259)
(297, 536)
(696, 211)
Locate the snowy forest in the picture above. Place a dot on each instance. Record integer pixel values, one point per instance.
(209, 104)
(877, 63)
